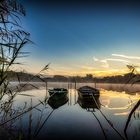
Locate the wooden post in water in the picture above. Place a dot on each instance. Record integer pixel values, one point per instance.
(75, 87)
(68, 91)
(95, 84)
(68, 83)
(69, 86)
(75, 83)
(46, 82)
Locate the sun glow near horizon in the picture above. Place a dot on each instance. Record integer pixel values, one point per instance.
(68, 71)
(115, 64)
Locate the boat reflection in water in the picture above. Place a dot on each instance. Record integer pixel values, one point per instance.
(57, 103)
(58, 97)
(89, 104)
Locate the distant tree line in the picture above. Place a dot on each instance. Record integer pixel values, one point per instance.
(127, 78)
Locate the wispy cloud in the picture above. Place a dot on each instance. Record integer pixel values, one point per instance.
(125, 56)
(95, 59)
(105, 62)
(102, 63)
(117, 60)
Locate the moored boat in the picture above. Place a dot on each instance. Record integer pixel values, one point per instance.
(87, 92)
(58, 93)
(58, 97)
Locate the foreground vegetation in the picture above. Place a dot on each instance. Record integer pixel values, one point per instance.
(12, 41)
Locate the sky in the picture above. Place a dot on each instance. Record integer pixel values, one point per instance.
(82, 37)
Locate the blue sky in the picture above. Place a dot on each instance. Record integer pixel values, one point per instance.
(72, 38)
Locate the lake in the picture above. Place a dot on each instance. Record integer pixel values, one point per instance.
(73, 118)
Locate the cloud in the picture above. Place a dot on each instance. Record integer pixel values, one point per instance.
(105, 65)
(102, 63)
(127, 57)
(95, 59)
(117, 60)
(105, 62)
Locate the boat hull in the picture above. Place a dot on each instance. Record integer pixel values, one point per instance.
(58, 91)
(58, 96)
(88, 92)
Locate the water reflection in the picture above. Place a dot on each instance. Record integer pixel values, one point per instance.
(74, 118)
(90, 104)
(56, 104)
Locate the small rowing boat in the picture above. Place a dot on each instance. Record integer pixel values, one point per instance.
(58, 93)
(87, 92)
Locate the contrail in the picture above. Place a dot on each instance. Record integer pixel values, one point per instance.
(125, 56)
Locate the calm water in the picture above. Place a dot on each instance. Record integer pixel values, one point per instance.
(75, 119)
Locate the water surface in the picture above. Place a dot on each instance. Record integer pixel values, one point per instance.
(75, 119)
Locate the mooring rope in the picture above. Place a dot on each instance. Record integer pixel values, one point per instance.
(107, 119)
(100, 126)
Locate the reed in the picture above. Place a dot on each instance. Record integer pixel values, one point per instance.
(135, 80)
(13, 39)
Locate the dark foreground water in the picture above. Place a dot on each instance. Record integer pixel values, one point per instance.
(74, 119)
